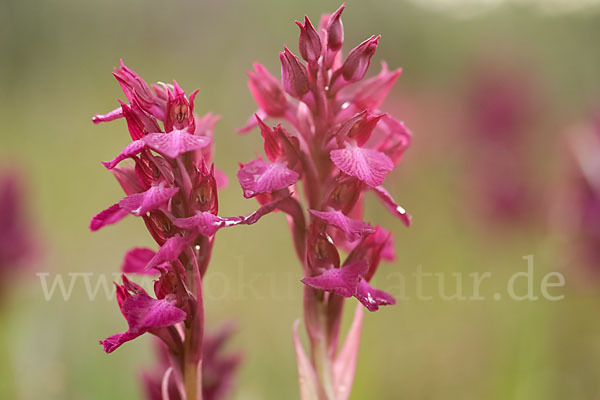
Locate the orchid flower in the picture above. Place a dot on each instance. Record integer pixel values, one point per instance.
(336, 143)
(168, 184)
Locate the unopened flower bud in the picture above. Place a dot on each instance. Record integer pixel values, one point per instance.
(309, 42)
(356, 64)
(293, 74)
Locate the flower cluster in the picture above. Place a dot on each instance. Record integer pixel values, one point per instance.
(169, 184)
(501, 112)
(336, 143)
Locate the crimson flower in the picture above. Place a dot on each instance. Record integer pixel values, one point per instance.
(336, 144)
(170, 182)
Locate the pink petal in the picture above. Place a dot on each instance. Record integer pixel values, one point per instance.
(310, 386)
(342, 281)
(259, 176)
(207, 224)
(344, 366)
(388, 201)
(144, 312)
(368, 165)
(353, 229)
(204, 223)
(129, 151)
(111, 215)
(175, 143)
(113, 342)
(110, 116)
(136, 259)
(371, 93)
(169, 251)
(128, 179)
(373, 298)
(140, 203)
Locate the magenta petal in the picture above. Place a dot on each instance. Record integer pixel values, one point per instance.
(169, 251)
(353, 229)
(140, 203)
(368, 165)
(207, 224)
(259, 176)
(130, 150)
(388, 201)
(204, 223)
(111, 215)
(175, 143)
(136, 259)
(113, 342)
(144, 312)
(371, 93)
(373, 298)
(342, 281)
(110, 116)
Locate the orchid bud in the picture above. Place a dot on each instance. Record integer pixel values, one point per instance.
(267, 91)
(309, 42)
(293, 74)
(356, 64)
(335, 30)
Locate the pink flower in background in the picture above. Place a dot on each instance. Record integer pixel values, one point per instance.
(16, 241)
(337, 144)
(500, 114)
(165, 174)
(18, 245)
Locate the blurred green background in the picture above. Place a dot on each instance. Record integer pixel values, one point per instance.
(56, 59)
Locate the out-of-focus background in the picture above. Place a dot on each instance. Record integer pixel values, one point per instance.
(492, 91)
